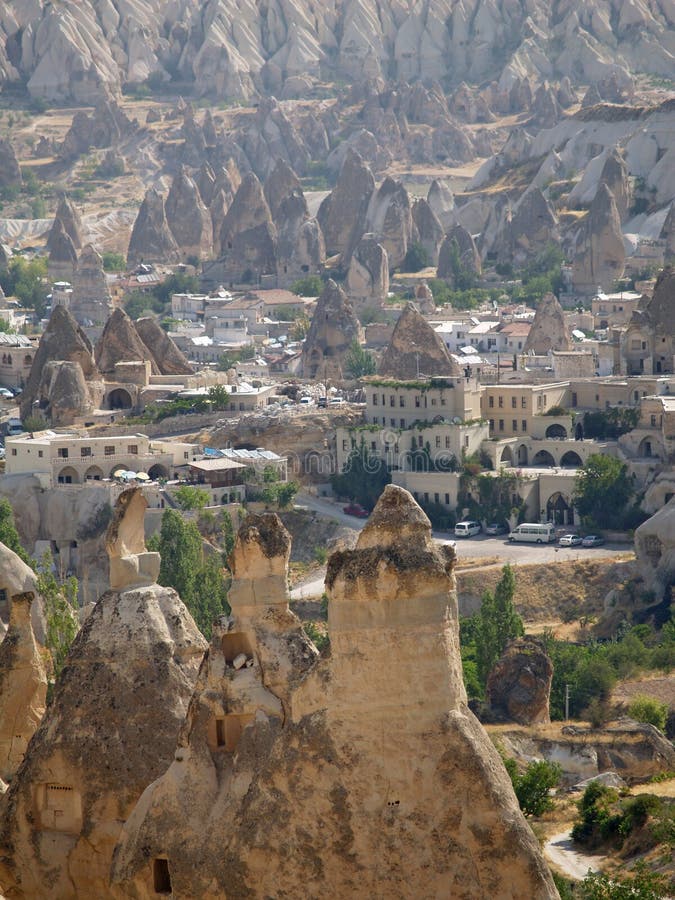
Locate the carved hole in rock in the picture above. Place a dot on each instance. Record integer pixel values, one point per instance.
(161, 877)
(234, 645)
(232, 729)
(59, 807)
(653, 548)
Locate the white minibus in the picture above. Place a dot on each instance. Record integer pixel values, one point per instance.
(534, 532)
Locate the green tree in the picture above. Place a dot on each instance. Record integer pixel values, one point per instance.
(299, 329)
(602, 490)
(60, 608)
(416, 258)
(190, 497)
(533, 787)
(497, 623)
(650, 711)
(26, 281)
(9, 536)
(114, 262)
(219, 397)
(363, 477)
(359, 362)
(309, 286)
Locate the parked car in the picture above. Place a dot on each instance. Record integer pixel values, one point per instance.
(468, 528)
(496, 528)
(6, 394)
(306, 401)
(322, 402)
(355, 509)
(570, 540)
(593, 540)
(336, 401)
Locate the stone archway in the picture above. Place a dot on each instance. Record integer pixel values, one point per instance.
(543, 458)
(571, 460)
(522, 455)
(119, 398)
(556, 432)
(158, 471)
(68, 475)
(559, 511)
(94, 473)
(507, 456)
(646, 448)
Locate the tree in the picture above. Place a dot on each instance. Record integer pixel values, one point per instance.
(309, 286)
(198, 581)
(602, 490)
(60, 608)
(498, 623)
(9, 536)
(359, 362)
(363, 477)
(190, 497)
(533, 787)
(649, 710)
(219, 397)
(26, 281)
(299, 329)
(114, 262)
(416, 258)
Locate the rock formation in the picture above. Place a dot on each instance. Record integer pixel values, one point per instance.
(519, 684)
(333, 328)
(655, 550)
(151, 238)
(188, 218)
(615, 175)
(110, 731)
(23, 686)
(131, 565)
(442, 202)
(424, 299)
(342, 214)
(119, 343)
(415, 350)
(599, 252)
(372, 755)
(91, 302)
(668, 234)
(62, 254)
(389, 218)
(17, 577)
(205, 180)
(549, 330)
(368, 275)
(62, 340)
(248, 236)
(10, 171)
(458, 255)
(527, 229)
(168, 358)
(64, 393)
(69, 217)
(429, 232)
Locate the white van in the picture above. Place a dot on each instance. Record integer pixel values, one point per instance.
(466, 529)
(534, 533)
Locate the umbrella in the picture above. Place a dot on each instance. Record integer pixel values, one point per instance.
(142, 476)
(120, 473)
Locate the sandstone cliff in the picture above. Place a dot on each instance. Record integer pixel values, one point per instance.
(371, 763)
(415, 350)
(333, 328)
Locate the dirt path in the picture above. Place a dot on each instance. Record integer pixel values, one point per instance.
(562, 853)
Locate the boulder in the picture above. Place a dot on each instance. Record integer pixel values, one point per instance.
(62, 254)
(120, 342)
(458, 255)
(188, 218)
(519, 683)
(161, 348)
(371, 753)
(416, 350)
(342, 214)
(151, 238)
(333, 328)
(62, 339)
(91, 301)
(10, 171)
(23, 686)
(549, 329)
(429, 231)
(109, 732)
(389, 218)
(599, 253)
(368, 274)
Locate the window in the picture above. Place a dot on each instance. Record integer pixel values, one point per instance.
(161, 877)
(40, 453)
(574, 399)
(345, 444)
(447, 442)
(62, 452)
(374, 399)
(417, 401)
(514, 425)
(392, 422)
(492, 424)
(433, 401)
(501, 401)
(85, 451)
(402, 423)
(132, 449)
(514, 402)
(401, 400)
(523, 402)
(491, 401)
(447, 499)
(501, 424)
(443, 401)
(426, 496)
(653, 420)
(523, 425)
(438, 442)
(373, 446)
(384, 400)
(392, 400)
(186, 454)
(14, 451)
(437, 498)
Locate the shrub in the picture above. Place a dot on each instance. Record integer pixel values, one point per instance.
(416, 258)
(649, 710)
(320, 639)
(533, 787)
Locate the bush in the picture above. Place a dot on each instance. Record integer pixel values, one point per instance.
(310, 286)
(114, 262)
(320, 639)
(533, 787)
(415, 259)
(650, 711)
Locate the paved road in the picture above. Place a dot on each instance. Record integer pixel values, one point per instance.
(565, 856)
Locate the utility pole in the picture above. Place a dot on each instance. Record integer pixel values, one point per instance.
(567, 702)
